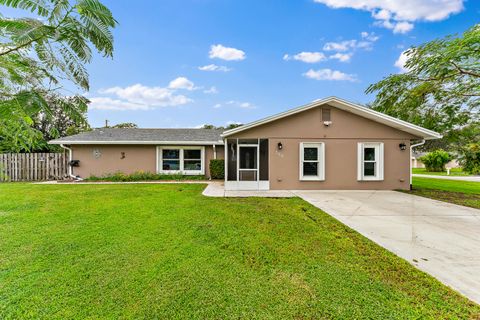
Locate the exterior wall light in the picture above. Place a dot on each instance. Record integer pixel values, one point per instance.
(280, 146)
(402, 146)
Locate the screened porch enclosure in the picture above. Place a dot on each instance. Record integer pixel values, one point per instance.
(247, 164)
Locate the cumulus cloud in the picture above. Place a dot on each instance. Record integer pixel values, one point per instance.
(225, 53)
(399, 15)
(341, 50)
(307, 57)
(212, 90)
(181, 83)
(328, 74)
(106, 103)
(342, 57)
(400, 63)
(214, 67)
(340, 46)
(139, 97)
(240, 104)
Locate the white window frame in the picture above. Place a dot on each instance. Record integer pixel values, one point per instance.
(321, 161)
(379, 160)
(181, 159)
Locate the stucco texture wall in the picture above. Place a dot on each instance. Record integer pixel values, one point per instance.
(137, 158)
(341, 139)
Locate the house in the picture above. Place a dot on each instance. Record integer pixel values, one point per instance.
(327, 144)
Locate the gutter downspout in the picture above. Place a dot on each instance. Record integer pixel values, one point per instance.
(70, 168)
(410, 160)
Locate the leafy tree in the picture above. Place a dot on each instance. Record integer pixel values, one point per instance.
(37, 53)
(124, 125)
(228, 127)
(435, 161)
(233, 126)
(470, 158)
(440, 89)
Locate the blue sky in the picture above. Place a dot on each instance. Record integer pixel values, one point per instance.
(258, 57)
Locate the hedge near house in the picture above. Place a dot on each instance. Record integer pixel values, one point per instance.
(435, 161)
(217, 168)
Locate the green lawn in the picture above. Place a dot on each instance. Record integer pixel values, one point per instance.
(148, 251)
(453, 172)
(464, 193)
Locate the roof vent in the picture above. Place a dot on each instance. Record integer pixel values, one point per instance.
(326, 117)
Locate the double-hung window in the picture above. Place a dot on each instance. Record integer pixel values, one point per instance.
(312, 161)
(370, 161)
(181, 160)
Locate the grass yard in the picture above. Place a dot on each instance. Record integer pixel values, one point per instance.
(148, 251)
(453, 172)
(464, 193)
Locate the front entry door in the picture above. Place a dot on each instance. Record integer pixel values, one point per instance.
(248, 163)
(247, 170)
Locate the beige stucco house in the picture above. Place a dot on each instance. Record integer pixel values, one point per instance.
(327, 144)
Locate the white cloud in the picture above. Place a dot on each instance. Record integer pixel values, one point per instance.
(369, 36)
(400, 63)
(138, 97)
(344, 49)
(340, 46)
(307, 57)
(328, 74)
(214, 67)
(402, 27)
(399, 15)
(225, 53)
(181, 83)
(105, 103)
(240, 104)
(212, 90)
(217, 106)
(342, 57)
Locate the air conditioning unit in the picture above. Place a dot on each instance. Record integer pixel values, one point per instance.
(327, 123)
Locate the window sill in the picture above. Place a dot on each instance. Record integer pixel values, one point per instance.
(312, 179)
(185, 172)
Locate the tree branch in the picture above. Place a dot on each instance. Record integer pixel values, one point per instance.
(463, 71)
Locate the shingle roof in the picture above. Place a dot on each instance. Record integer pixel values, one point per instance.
(145, 136)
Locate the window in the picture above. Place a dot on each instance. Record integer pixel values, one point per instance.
(192, 160)
(370, 161)
(184, 160)
(171, 159)
(312, 161)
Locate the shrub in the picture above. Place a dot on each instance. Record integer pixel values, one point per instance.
(470, 158)
(142, 176)
(435, 161)
(217, 168)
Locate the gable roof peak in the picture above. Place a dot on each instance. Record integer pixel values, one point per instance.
(342, 104)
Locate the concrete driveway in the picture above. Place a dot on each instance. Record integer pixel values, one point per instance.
(439, 238)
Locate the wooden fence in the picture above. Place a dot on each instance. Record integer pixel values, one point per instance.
(33, 166)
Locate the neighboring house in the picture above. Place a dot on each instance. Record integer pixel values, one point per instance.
(327, 144)
(417, 163)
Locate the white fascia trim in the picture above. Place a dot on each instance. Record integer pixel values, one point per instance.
(178, 143)
(348, 106)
